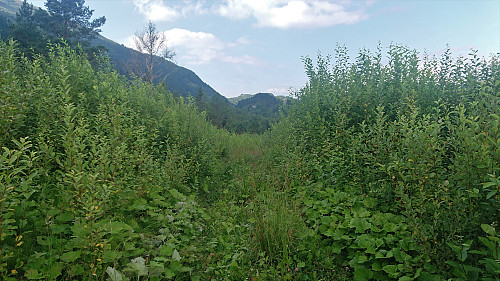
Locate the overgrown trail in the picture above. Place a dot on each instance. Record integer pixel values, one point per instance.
(375, 172)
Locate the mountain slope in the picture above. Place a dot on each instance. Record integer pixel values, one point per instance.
(263, 104)
(9, 8)
(179, 80)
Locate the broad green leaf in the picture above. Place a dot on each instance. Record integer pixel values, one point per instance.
(364, 241)
(492, 266)
(336, 247)
(488, 229)
(391, 269)
(376, 266)
(176, 256)
(472, 272)
(70, 256)
(117, 227)
(59, 228)
(362, 273)
(491, 194)
(169, 273)
(55, 270)
(166, 250)
(111, 256)
(114, 275)
(390, 227)
(361, 224)
(138, 265)
(33, 274)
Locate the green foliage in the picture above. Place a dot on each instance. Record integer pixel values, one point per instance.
(63, 21)
(277, 225)
(378, 246)
(26, 31)
(417, 137)
(16, 188)
(111, 162)
(70, 20)
(376, 172)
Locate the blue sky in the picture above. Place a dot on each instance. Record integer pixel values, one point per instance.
(250, 46)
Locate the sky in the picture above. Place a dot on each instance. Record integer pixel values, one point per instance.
(251, 46)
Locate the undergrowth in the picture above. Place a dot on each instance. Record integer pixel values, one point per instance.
(375, 172)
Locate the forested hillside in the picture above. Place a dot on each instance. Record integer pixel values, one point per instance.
(264, 104)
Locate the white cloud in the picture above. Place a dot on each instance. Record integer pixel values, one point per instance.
(195, 47)
(156, 10)
(287, 14)
(163, 10)
(202, 47)
(279, 91)
(284, 14)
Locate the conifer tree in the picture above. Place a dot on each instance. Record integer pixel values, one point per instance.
(26, 32)
(70, 20)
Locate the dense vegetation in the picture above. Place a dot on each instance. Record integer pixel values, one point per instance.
(398, 164)
(376, 172)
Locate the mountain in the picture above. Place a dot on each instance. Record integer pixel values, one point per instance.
(179, 80)
(237, 99)
(264, 104)
(9, 8)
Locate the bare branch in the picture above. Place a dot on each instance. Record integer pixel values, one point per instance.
(153, 46)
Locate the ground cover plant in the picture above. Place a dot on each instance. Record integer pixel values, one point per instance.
(376, 171)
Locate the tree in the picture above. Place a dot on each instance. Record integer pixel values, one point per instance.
(4, 27)
(70, 20)
(26, 32)
(153, 46)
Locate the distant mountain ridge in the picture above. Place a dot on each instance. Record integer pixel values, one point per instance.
(235, 100)
(264, 104)
(179, 80)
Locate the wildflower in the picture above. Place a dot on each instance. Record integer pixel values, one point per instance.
(296, 269)
(346, 268)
